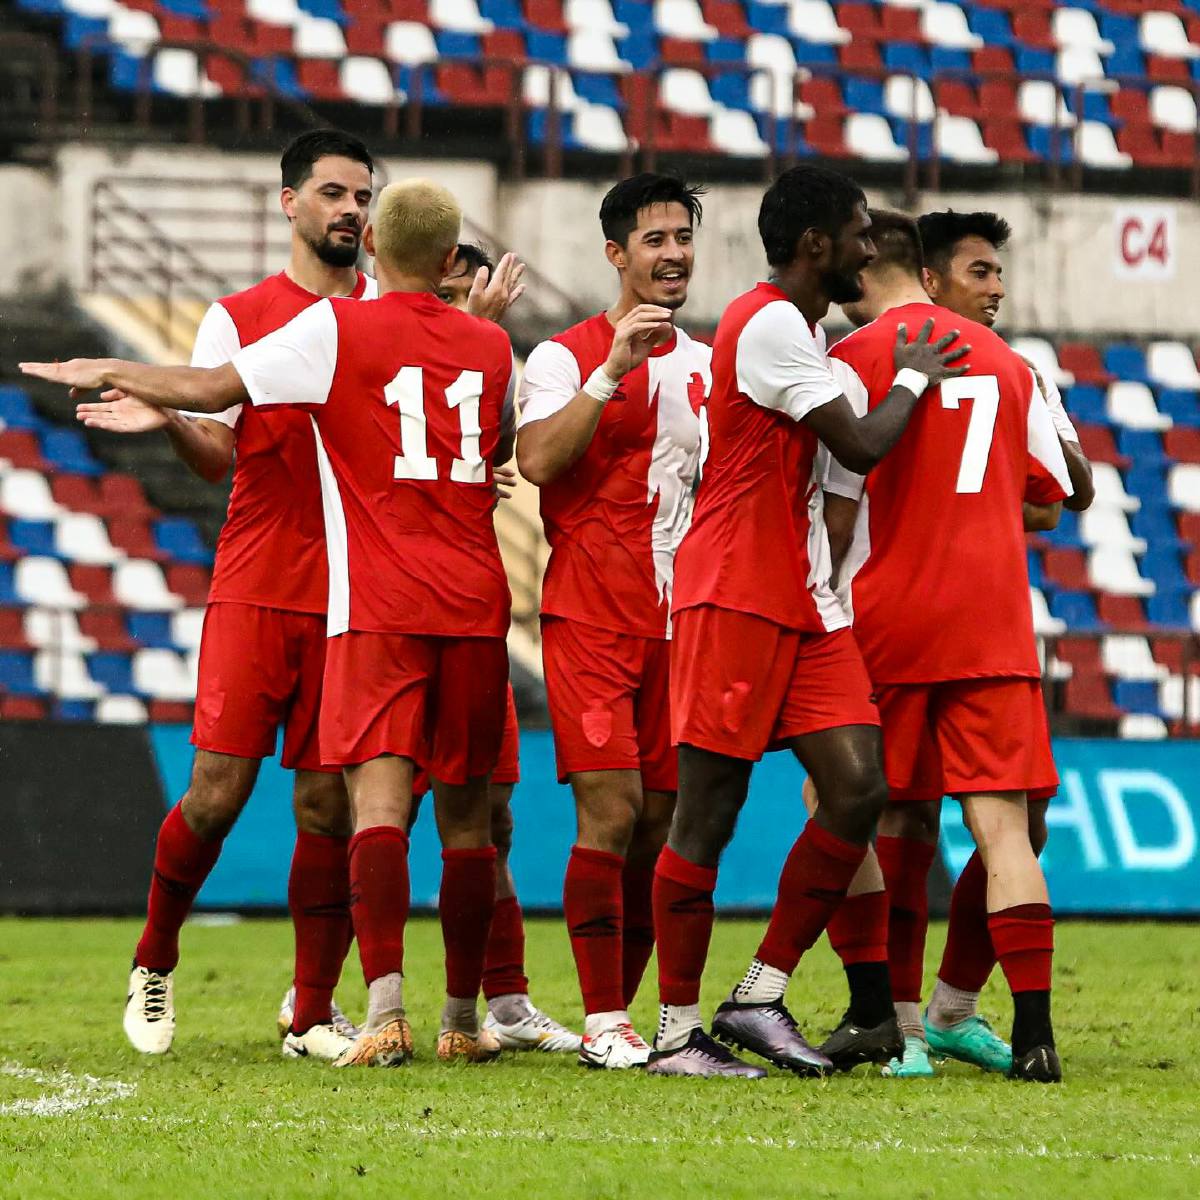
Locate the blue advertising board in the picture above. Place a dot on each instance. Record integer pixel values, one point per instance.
(1123, 830)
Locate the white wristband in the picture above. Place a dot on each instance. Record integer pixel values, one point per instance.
(912, 379)
(600, 385)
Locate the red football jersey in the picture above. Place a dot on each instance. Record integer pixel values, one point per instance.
(757, 542)
(272, 546)
(939, 585)
(409, 398)
(616, 518)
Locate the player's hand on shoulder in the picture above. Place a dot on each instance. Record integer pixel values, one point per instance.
(492, 298)
(636, 334)
(118, 412)
(935, 360)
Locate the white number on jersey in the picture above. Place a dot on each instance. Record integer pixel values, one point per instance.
(407, 393)
(984, 393)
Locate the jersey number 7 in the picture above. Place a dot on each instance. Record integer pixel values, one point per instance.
(984, 393)
(407, 393)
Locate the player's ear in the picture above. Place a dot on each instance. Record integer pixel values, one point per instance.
(814, 244)
(369, 240)
(929, 283)
(448, 263)
(287, 201)
(615, 253)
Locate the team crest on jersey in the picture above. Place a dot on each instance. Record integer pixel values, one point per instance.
(597, 727)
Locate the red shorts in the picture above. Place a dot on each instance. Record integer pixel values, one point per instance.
(508, 768)
(260, 668)
(610, 703)
(439, 701)
(966, 736)
(742, 685)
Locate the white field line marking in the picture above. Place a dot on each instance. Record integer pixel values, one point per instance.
(71, 1092)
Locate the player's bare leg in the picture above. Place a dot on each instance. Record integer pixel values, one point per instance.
(511, 1017)
(608, 806)
(380, 798)
(310, 1023)
(1021, 926)
(466, 903)
(187, 849)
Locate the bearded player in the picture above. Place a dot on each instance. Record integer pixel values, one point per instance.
(955, 668)
(610, 433)
(417, 667)
(762, 655)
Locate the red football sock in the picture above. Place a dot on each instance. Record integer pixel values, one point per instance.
(319, 901)
(858, 931)
(905, 863)
(815, 877)
(683, 921)
(379, 898)
(182, 862)
(1024, 939)
(969, 956)
(637, 943)
(593, 909)
(465, 904)
(504, 964)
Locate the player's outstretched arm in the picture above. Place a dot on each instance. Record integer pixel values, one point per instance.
(189, 389)
(549, 446)
(860, 443)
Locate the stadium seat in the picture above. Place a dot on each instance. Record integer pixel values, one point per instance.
(1173, 108)
(1040, 103)
(1131, 404)
(945, 24)
(1108, 529)
(139, 584)
(64, 673)
(408, 43)
(32, 537)
(44, 581)
(685, 92)
(55, 629)
(1089, 696)
(1097, 147)
(1129, 657)
(1041, 353)
(908, 98)
(1110, 489)
(119, 710)
(122, 495)
(83, 538)
(1183, 486)
(1141, 727)
(1172, 365)
(1083, 361)
(814, 21)
(188, 582)
(461, 16)
(1077, 28)
(15, 410)
(870, 136)
(179, 539)
(960, 140)
(1163, 33)
(26, 494)
(685, 19)
(162, 675)
(16, 674)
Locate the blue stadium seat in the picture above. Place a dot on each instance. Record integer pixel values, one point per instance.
(15, 410)
(635, 13)
(1136, 696)
(67, 450)
(1066, 532)
(73, 710)
(732, 89)
(767, 18)
(279, 73)
(409, 78)
(1034, 62)
(128, 72)
(1095, 108)
(180, 539)
(1041, 142)
(49, 8)
(506, 14)
(546, 47)
(452, 45)
(538, 129)
(1143, 446)
(901, 131)
(16, 674)
(151, 629)
(1035, 569)
(1087, 403)
(942, 58)
(639, 49)
(1182, 407)
(329, 10)
(994, 27)
(1154, 523)
(904, 56)
(813, 54)
(597, 89)
(32, 537)
(1126, 361)
(113, 671)
(196, 9)
(864, 95)
(1078, 609)
(1163, 566)
(725, 50)
(783, 144)
(85, 32)
(1169, 610)
(7, 595)
(1120, 30)
(1126, 59)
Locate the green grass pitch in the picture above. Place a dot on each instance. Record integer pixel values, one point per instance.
(83, 1117)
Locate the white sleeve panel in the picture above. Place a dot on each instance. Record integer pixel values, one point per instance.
(836, 478)
(550, 382)
(217, 341)
(1062, 422)
(295, 364)
(780, 364)
(1044, 445)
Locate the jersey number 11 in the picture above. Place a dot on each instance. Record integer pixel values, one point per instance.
(407, 393)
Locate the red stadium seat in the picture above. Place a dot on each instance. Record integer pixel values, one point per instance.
(189, 581)
(681, 52)
(727, 17)
(1192, 568)
(180, 29)
(229, 76)
(12, 629)
(862, 20)
(1130, 104)
(958, 98)
(993, 60)
(1084, 362)
(169, 712)
(1189, 527)
(1098, 444)
(1007, 138)
(22, 708)
(1183, 444)
(1179, 149)
(998, 99)
(465, 84)
(319, 77)
(826, 136)
(76, 492)
(1066, 567)
(1141, 143)
(1167, 70)
(94, 582)
(409, 10)
(508, 44)
(545, 14)
(683, 135)
(1088, 695)
(1121, 612)
(8, 552)
(860, 56)
(123, 495)
(902, 24)
(1033, 28)
(1083, 654)
(21, 448)
(824, 96)
(107, 626)
(364, 35)
(133, 535)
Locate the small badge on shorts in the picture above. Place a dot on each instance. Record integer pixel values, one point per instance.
(597, 727)
(733, 706)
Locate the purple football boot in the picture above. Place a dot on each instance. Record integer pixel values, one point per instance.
(702, 1058)
(771, 1032)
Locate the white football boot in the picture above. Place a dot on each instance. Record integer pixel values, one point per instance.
(534, 1032)
(319, 1041)
(150, 1010)
(341, 1023)
(617, 1048)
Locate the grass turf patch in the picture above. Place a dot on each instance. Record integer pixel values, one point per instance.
(82, 1115)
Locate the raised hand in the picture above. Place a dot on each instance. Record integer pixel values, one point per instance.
(491, 299)
(932, 359)
(117, 412)
(79, 374)
(637, 333)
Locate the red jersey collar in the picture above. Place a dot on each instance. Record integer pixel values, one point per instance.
(777, 293)
(288, 282)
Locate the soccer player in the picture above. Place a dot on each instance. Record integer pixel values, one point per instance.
(262, 652)
(762, 656)
(936, 583)
(416, 665)
(610, 433)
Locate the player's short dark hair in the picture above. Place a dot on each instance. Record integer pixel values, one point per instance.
(805, 197)
(897, 241)
(942, 231)
(620, 207)
(473, 256)
(302, 152)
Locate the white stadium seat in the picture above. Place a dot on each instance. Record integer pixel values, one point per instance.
(1141, 727)
(774, 92)
(458, 16)
(1171, 696)
(1194, 614)
(65, 674)
(120, 710)
(1129, 657)
(98, 10)
(26, 494)
(274, 12)
(1172, 365)
(593, 14)
(535, 89)
(1077, 28)
(140, 584)
(44, 581)
(410, 43)
(1132, 404)
(1163, 33)
(594, 52)
(946, 25)
(908, 99)
(1114, 569)
(1043, 356)
(1183, 487)
(367, 80)
(1097, 147)
(1044, 622)
(869, 136)
(1173, 108)
(959, 139)
(163, 675)
(734, 132)
(815, 21)
(318, 37)
(132, 30)
(1039, 103)
(1079, 64)
(1110, 489)
(186, 628)
(599, 128)
(83, 537)
(1102, 527)
(682, 19)
(55, 629)
(685, 91)
(178, 71)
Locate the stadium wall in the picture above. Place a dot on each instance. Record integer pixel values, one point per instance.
(84, 804)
